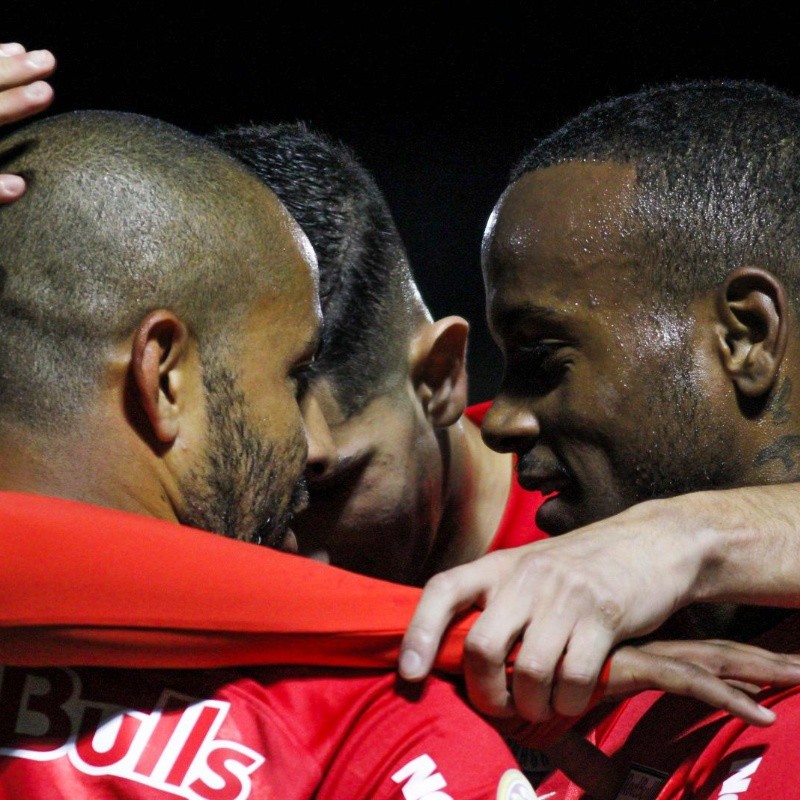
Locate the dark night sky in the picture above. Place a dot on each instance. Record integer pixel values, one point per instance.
(438, 105)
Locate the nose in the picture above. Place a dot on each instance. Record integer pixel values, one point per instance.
(510, 426)
(321, 449)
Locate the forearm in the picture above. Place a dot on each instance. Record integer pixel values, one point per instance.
(746, 543)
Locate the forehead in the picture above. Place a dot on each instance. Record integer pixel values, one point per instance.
(289, 312)
(297, 270)
(560, 235)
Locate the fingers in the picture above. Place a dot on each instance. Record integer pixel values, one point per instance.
(11, 48)
(529, 597)
(565, 643)
(737, 663)
(22, 93)
(580, 668)
(11, 187)
(536, 662)
(22, 90)
(634, 669)
(445, 595)
(486, 649)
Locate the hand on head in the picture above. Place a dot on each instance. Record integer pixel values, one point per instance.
(23, 92)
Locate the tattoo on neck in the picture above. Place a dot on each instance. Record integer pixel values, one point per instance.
(786, 449)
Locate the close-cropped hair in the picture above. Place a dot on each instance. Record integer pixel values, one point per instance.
(717, 167)
(367, 293)
(121, 216)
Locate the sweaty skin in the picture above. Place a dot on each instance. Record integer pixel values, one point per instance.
(736, 544)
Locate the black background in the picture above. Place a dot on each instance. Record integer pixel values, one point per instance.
(438, 101)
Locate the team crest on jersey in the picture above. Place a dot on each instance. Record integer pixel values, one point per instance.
(173, 747)
(515, 786)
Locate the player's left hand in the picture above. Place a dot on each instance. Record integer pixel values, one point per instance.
(723, 674)
(568, 600)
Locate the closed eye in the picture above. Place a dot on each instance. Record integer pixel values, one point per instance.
(537, 367)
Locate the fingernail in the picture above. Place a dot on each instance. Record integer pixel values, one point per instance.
(410, 664)
(766, 714)
(11, 185)
(41, 59)
(11, 49)
(37, 91)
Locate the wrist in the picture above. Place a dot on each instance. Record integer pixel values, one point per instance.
(715, 537)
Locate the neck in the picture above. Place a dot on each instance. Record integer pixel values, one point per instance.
(476, 492)
(73, 467)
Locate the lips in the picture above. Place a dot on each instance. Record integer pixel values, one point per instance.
(536, 476)
(546, 484)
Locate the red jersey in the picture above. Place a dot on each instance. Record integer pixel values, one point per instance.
(218, 735)
(100, 587)
(95, 586)
(518, 523)
(668, 747)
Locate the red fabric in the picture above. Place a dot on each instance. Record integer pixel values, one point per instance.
(518, 524)
(701, 752)
(99, 587)
(212, 735)
(96, 586)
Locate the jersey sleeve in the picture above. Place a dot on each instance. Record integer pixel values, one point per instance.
(98, 587)
(430, 747)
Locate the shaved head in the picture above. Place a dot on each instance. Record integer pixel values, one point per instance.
(124, 214)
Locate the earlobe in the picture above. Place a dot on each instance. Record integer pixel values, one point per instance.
(157, 359)
(752, 311)
(438, 369)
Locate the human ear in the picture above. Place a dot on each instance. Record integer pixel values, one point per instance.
(158, 364)
(753, 316)
(438, 369)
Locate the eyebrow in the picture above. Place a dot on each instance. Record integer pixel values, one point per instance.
(511, 317)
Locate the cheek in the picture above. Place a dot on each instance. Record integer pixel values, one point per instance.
(590, 405)
(281, 423)
(385, 486)
(387, 490)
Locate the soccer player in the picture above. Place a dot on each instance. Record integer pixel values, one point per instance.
(412, 488)
(642, 281)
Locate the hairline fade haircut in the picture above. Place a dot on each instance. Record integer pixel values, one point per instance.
(123, 214)
(717, 178)
(370, 303)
